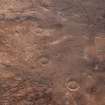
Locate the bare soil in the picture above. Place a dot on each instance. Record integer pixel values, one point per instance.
(48, 52)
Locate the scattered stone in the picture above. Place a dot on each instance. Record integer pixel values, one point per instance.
(100, 48)
(6, 74)
(95, 54)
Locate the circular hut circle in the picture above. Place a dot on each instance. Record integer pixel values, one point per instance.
(72, 86)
